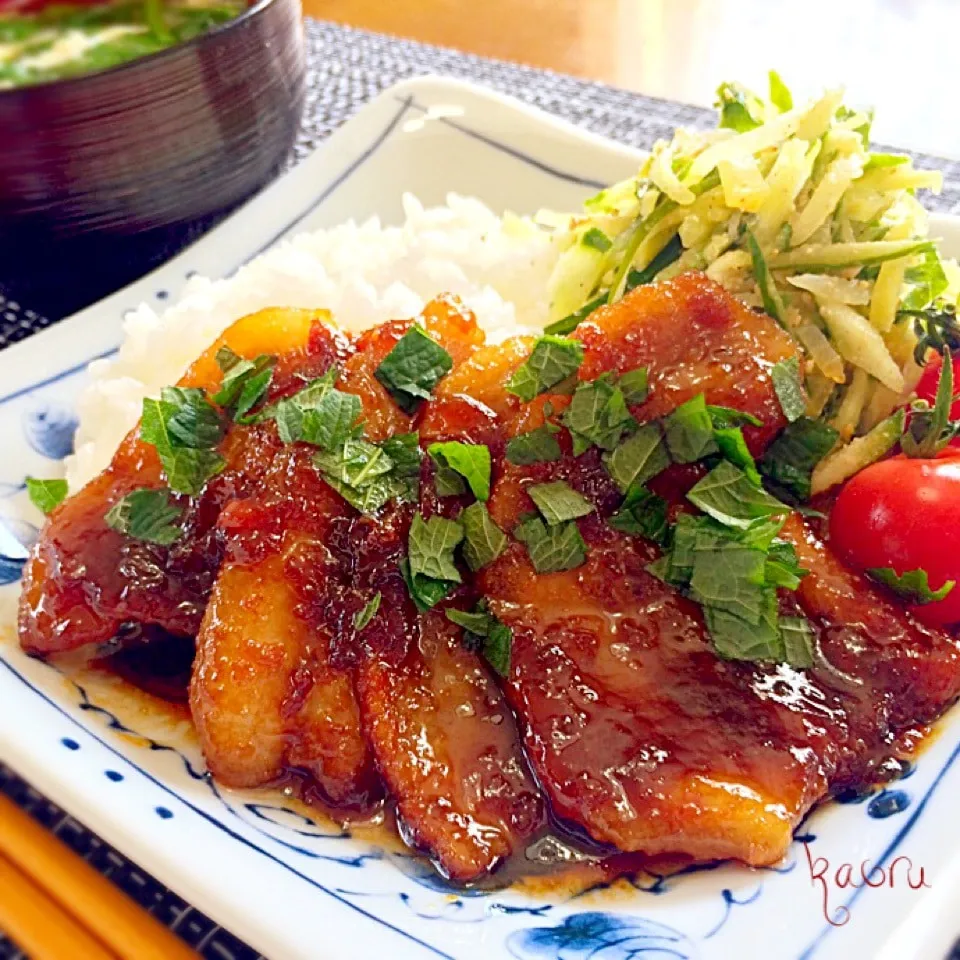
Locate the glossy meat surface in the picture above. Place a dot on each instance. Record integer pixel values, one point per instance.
(444, 740)
(265, 697)
(84, 580)
(282, 683)
(447, 747)
(637, 731)
(617, 718)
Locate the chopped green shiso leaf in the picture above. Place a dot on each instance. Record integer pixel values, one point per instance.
(146, 515)
(469, 460)
(413, 368)
(552, 549)
(485, 633)
(363, 617)
(46, 494)
(552, 360)
(535, 446)
(483, 540)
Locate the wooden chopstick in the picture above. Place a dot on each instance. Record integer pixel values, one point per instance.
(39, 925)
(123, 927)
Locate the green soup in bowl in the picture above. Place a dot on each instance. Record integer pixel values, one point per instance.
(66, 40)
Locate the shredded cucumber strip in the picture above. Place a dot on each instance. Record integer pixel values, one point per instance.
(833, 256)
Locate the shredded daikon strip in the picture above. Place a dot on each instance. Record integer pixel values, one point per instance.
(743, 185)
(861, 344)
(837, 289)
(822, 203)
(821, 352)
(848, 414)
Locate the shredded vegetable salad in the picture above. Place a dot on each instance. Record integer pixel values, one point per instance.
(788, 208)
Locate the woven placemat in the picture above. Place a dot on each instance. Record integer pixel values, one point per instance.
(347, 68)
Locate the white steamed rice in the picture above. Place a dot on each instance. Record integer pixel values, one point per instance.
(364, 274)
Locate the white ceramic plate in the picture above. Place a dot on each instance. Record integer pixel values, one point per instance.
(293, 888)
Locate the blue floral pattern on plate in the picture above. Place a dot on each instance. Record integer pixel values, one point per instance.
(602, 936)
(50, 428)
(16, 539)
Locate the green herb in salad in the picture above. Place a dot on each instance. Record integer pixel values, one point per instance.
(766, 284)
(780, 95)
(596, 239)
(740, 109)
(669, 254)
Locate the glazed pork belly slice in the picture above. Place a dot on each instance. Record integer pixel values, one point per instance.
(694, 338)
(272, 690)
(84, 580)
(443, 737)
(265, 696)
(637, 731)
(447, 747)
(642, 736)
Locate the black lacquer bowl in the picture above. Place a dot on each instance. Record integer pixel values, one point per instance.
(104, 169)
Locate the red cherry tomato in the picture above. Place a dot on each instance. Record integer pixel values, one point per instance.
(905, 514)
(927, 387)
